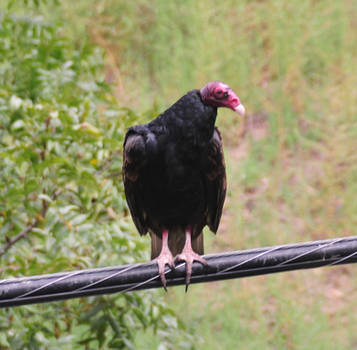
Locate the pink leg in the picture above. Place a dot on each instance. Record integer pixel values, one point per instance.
(164, 258)
(189, 256)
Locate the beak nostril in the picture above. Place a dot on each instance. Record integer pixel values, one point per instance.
(234, 101)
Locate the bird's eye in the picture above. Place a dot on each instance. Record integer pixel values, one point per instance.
(225, 94)
(219, 92)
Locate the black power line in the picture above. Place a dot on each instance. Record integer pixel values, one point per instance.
(66, 285)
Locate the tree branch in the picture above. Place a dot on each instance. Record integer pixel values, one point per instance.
(29, 228)
(21, 235)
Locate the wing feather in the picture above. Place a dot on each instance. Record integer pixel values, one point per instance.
(216, 182)
(133, 161)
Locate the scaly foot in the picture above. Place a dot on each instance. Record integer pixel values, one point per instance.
(164, 258)
(189, 256)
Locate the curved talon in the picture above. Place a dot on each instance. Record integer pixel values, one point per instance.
(189, 256)
(162, 260)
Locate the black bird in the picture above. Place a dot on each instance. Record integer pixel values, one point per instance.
(174, 175)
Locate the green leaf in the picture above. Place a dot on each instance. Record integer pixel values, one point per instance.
(93, 311)
(3, 340)
(45, 197)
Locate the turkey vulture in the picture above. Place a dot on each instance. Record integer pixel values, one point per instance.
(174, 175)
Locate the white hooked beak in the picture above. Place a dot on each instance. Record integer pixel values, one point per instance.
(240, 109)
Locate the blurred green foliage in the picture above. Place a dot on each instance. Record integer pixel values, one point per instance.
(61, 135)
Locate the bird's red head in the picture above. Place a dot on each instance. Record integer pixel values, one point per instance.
(218, 94)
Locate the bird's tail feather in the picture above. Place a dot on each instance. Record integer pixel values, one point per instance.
(177, 240)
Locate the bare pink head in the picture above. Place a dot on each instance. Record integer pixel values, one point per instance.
(218, 94)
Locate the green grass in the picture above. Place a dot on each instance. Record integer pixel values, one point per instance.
(294, 62)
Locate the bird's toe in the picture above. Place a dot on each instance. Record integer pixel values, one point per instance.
(162, 260)
(189, 256)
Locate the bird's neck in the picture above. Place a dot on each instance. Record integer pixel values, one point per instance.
(204, 119)
(192, 118)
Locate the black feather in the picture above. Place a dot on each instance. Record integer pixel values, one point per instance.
(174, 172)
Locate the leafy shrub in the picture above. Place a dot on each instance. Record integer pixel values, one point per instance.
(62, 205)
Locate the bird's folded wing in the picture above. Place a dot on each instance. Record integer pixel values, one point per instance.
(133, 162)
(216, 184)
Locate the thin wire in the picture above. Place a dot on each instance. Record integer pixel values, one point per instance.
(108, 277)
(148, 280)
(287, 246)
(343, 259)
(47, 284)
(310, 251)
(250, 259)
(130, 267)
(75, 291)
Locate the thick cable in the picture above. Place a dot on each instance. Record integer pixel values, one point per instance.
(253, 262)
